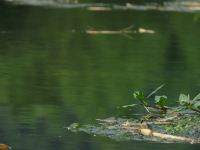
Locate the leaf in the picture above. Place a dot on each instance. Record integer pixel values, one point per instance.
(132, 105)
(184, 99)
(154, 91)
(139, 95)
(197, 97)
(161, 100)
(74, 126)
(196, 105)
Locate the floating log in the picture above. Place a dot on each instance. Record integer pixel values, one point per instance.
(149, 132)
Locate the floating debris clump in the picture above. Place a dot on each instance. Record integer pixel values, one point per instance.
(168, 125)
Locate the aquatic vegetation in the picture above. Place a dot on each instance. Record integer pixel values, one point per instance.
(162, 123)
(161, 100)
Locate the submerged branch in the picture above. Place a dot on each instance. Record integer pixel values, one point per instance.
(123, 31)
(108, 32)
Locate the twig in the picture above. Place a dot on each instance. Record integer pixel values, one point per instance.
(147, 109)
(128, 36)
(154, 91)
(168, 118)
(127, 28)
(109, 32)
(144, 124)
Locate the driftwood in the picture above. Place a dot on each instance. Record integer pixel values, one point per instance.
(109, 32)
(149, 132)
(128, 30)
(140, 30)
(169, 137)
(146, 130)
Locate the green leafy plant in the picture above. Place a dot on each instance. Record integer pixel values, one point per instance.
(196, 106)
(139, 95)
(187, 103)
(160, 101)
(184, 100)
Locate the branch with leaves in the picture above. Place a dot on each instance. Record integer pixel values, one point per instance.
(160, 101)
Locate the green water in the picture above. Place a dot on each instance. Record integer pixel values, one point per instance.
(52, 73)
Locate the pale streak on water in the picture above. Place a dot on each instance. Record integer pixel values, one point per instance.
(177, 6)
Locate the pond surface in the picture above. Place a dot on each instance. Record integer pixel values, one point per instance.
(53, 74)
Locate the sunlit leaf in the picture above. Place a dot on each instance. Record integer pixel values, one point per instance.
(139, 95)
(74, 126)
(197, 97)
(184, 99)
(197, 105)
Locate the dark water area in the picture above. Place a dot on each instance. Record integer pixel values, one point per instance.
(53, 74)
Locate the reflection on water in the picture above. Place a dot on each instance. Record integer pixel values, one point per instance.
(53, 74)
